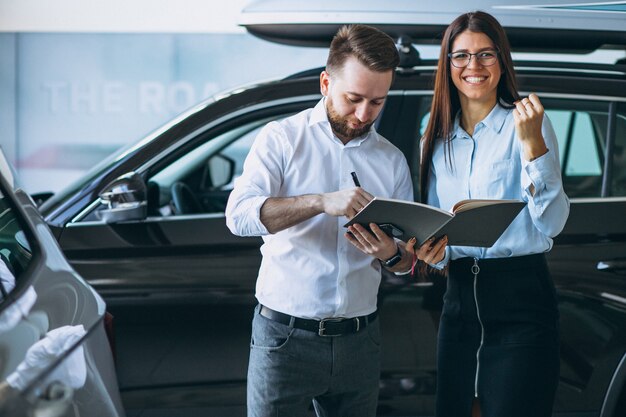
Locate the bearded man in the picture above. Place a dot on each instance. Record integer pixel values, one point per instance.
(315, 332)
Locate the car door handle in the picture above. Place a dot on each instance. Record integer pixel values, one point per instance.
(55, 401)
(611, 266)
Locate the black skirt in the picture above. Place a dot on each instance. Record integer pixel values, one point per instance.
(498, 339)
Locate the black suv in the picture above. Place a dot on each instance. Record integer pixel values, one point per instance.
(147, 229)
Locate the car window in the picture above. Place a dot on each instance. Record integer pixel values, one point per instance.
(581, 127)
(15, 252)
(238, 151)
(201, 180)
(584, 157)
(581, 130)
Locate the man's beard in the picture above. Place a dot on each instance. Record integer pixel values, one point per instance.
(340, 126)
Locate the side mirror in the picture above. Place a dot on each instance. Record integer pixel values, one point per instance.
(125, 199)
(220, 172)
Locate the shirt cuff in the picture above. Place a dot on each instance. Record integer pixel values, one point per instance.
(247, 221)
(255, 204)
(536, 170)
(442, 264)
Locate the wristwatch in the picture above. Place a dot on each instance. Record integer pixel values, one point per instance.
(393, 260)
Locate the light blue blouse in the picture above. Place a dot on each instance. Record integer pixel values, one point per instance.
(490, 164)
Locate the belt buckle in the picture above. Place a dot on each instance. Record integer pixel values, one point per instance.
(322, 328)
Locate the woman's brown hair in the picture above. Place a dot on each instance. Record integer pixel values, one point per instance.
(446, 102)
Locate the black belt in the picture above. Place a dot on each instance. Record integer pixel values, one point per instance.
(324, 327)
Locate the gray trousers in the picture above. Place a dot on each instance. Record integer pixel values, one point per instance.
(290, 369)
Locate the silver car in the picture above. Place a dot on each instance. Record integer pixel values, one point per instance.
(55, 354)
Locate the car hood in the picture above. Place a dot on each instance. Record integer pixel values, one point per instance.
(566, 26)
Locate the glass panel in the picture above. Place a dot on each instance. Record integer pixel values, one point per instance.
(580, 127)
(238, 151)
(560, 121)
(194, 172)
(583, 158)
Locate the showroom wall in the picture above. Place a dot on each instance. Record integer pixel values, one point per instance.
(79, 84)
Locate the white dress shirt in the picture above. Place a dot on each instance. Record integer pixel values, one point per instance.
(490, 164)
(311, 270)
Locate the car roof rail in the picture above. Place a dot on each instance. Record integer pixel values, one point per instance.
(313, 72)
(409, 58)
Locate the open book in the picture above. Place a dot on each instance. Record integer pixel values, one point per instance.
(469, 223)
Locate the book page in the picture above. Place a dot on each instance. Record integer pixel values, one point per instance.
(469, 204)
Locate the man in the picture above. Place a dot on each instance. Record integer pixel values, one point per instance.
(315, 333)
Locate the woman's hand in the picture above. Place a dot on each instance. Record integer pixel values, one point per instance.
(528, 115)
(432, 251)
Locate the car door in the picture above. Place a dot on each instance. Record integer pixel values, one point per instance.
(55, 358)
(588, 260)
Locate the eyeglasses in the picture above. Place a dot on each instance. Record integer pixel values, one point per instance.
(462, 59)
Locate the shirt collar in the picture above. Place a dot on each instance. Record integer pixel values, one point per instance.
(496, 118)
(494, 121)
(319, 116)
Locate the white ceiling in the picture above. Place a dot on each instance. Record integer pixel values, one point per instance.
(121, 16)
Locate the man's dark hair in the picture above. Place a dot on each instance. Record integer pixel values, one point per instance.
(370, 46)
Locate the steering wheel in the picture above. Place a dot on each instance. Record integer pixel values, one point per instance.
(184, 200)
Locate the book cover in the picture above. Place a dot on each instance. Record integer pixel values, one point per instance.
(470, 223)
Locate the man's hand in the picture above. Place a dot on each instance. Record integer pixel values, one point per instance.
(279, 213)
(345, 202)
(378, 243)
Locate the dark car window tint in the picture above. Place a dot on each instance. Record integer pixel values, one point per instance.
(15, 252)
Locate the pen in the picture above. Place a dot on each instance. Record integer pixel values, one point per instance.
(355, 179)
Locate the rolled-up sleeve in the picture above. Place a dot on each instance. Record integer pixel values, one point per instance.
(261, 178)
(548, 205)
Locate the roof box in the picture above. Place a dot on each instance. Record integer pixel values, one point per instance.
(568, 26)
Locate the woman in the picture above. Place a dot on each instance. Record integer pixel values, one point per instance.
(498, 352)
